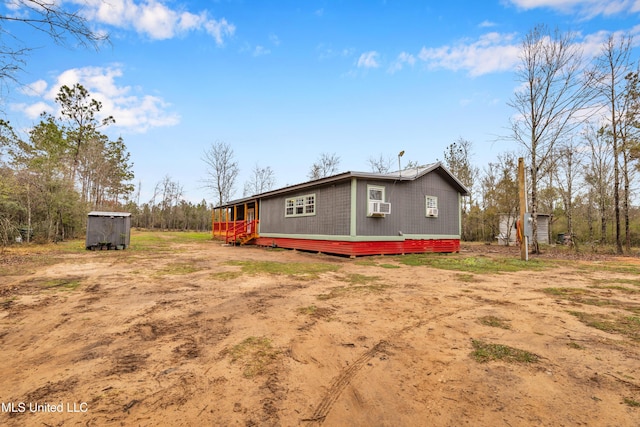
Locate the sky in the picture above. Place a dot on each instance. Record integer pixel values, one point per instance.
(283, 81)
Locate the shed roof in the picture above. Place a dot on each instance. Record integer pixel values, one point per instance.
(403, 175)
(110, 214)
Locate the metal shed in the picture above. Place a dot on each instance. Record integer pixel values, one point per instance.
(108, 230)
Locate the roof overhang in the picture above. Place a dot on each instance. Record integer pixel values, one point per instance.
(410, 174)
(109, 214)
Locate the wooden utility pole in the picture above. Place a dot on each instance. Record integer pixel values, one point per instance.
(524, 241)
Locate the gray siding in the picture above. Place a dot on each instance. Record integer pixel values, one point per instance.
(333, 204)
(408, 208)
(115, 230)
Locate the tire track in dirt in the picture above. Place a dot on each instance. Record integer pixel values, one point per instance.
(344, 379)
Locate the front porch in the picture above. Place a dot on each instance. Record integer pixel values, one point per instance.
(236, 222)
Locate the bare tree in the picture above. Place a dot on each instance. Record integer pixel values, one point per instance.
(326, 165)
(553, 93)
(222, 170)
(567, 173)
(261, 180)
(598, 175)
(58, 20)
(611, 69)
(381, 164)
(631, 140)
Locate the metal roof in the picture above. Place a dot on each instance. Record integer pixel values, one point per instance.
(409, 174)
(100, 213)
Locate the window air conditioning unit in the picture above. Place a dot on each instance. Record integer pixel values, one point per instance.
(379, 208)
(432, 212)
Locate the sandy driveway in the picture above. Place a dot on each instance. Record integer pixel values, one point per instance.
(196, 333)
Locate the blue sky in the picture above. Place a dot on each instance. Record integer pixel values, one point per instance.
(284, 81)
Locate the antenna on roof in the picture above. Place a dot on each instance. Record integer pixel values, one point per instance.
(400, 154)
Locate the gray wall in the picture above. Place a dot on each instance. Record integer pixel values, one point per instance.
(408, 208)
(332, 212)
(108, 229)
(333, 204)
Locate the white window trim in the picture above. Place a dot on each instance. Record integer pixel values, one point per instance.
(433, 205)
(300, 201)
(369, 199)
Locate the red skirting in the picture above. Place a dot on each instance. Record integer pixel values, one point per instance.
(362, 248)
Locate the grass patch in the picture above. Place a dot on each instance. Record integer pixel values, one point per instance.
(619, 288)
(372, 262)
(360, 279)
(307, 270)
(165, 240)
(340, 291)
(62, 284)
(7, 302)
(631, 402)
(472, 264)
(484, 352)
(22, 262)
(494, 322)
(467, 278)
(624, 325)
(179, 268)
(256, 354)
(566, 292)
(388, 266)
(309, 311)
(585, 296)
(611, 267)
(575, 345)
(367, 262)
(226, 275)
(316, 312)
(357, 284)
(633, 282)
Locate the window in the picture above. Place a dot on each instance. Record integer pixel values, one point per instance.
(300, 206)
(431, 206)
(376, 194)
(375, 201)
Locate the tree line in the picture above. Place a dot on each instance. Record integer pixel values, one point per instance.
(66, 167)
(63, 167)
(576, 123)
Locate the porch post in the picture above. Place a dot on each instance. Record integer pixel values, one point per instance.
(353, 230)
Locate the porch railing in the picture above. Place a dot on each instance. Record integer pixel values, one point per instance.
(236, 231)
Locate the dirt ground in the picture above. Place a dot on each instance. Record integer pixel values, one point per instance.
(184, 333)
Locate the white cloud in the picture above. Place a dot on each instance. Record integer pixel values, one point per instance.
(260, 51)
(327, 52)
(142, 113)
(592, 44)
(403, 58)
(584, 8)
(368, 60)
(487, 24)
(219, 29)
(154, 18)
(133, 112)
(492, 52)
(275, 40)
(33, 111)
(36, 88)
